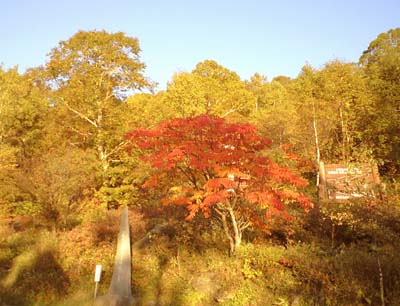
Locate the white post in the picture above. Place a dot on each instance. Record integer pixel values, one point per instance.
(97, 276)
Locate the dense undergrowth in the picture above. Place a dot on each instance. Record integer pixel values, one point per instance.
(346, 254)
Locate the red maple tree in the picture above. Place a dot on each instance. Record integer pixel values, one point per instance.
(219, 169)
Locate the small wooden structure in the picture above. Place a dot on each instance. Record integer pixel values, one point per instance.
(119, 293)
(340, 182)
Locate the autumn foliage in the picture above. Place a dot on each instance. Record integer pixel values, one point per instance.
(219, 169)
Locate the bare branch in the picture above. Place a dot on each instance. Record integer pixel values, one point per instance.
(232, 110)
(79, 132)
(120, 146)
(190, 176)
(218, 211)
(244, 225)
(92, 122)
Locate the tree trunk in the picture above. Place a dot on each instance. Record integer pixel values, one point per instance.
(344, 133)
(227, 234)
(103, 157)
(318, 151)
(230, 226)
(101, 147)
(237, 237)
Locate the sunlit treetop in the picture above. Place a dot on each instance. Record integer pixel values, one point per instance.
(110, 61)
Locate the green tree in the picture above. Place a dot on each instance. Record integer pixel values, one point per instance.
(91, 74)
(23, 111)
(57, 181)
(275, 113)
(334, 106)
(121, 185)
(23, 115)
(344, 89)
(314, 116)
(381, 63)
(209, 89)
(147, 110)
(258, 85)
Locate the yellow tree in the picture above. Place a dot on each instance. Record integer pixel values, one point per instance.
(209, 89)
(314, 122)
(23, 115)
(333, 106)
(121, 185)
(381, 63)
(147, 110)
(23, 111)
(258, 85)
(275, 114)
(91, 74)
(346, 93)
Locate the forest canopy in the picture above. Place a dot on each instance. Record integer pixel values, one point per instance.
(93, 90)
(211, 156)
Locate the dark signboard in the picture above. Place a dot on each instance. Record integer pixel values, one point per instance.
(341, 182)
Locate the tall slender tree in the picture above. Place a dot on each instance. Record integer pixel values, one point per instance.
(381, 63)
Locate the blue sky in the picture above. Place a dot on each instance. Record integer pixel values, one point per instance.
(269, 37)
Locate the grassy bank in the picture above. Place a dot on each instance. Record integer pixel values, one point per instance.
(189, 264)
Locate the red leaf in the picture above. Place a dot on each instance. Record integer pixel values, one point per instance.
(153, 181)
(212, 158)
(218, 183)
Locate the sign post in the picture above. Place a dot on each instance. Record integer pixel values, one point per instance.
(97, 276)
(341, 182)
